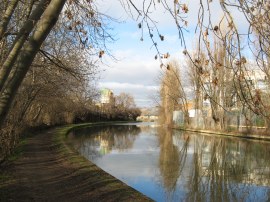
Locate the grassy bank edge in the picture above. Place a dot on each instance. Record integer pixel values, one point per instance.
(226, 134)
(72, 156)
(5, 175)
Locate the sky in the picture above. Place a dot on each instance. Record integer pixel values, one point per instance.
(135, 71)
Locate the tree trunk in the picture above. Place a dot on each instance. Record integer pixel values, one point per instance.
(20, 40)
(27, 55)
(6, 17)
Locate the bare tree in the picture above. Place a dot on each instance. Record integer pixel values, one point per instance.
(80, 19)
(126, 107)
(172, 93)
(235, 41)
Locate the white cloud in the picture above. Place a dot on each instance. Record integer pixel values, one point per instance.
(132, 68)
(141, 93)
(136, 71)
(127, 86)
(112, 8)
(163, 17)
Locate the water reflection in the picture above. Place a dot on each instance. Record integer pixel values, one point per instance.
(106, 139)
(228, 170)
(172, 158)
(169, 165)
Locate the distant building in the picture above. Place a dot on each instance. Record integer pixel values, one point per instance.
(148, 114)
(257, 78)
(252, 80)
(107, 96)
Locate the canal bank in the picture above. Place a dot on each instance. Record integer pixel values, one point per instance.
(226, 134)
(49, 169)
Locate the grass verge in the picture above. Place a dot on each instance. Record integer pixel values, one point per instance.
(18, 151)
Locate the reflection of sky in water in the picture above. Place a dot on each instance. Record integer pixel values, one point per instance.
(141, 165)
(163, 166)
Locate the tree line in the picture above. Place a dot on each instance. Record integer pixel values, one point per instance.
(50, 53)
(228, 69)
(49, 50)
(224, 96)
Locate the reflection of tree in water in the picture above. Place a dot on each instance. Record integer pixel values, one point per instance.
(124, 136)
(227, 170)
(215, 169)
(148, 129)
(95, 141)
(171, 160)
(78, 138)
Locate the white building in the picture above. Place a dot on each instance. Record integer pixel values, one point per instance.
(107, 96)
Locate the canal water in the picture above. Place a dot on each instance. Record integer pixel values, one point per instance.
(172, 165)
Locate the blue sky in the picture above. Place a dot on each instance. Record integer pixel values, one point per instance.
(136, 70)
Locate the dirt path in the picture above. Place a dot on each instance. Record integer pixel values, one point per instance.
(44, 173)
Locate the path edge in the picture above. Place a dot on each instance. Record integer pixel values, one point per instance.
(73, 157)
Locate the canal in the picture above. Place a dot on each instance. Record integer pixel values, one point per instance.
(172, 165)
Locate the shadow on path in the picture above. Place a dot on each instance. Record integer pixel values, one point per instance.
(44, 173)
